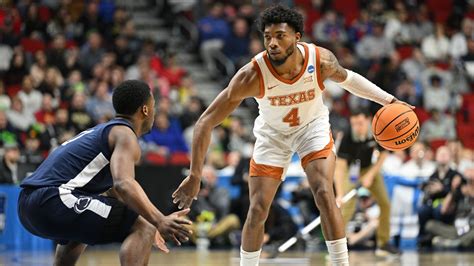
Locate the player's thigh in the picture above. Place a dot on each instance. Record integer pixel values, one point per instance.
(73, 216)
(315, 142)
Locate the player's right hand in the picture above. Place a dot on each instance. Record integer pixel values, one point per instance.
(187, 192)
(173, 227)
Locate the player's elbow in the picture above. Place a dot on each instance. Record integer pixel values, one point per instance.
(122, 187)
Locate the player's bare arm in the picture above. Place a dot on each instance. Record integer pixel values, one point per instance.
(126, 152)
(244, 84)
(353, 82)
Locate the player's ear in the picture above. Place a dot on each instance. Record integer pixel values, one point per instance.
(145, 110)
(298, 36)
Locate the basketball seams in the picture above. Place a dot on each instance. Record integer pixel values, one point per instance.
(396, 148)
(392, 120)
(377, 115)
(399, 136)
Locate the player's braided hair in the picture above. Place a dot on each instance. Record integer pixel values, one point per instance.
(129, 96)
(280, 14)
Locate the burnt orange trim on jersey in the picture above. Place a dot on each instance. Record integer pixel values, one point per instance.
(324, 153)
(263, 170)
(275, 73)
(318, 68)
(260, 78)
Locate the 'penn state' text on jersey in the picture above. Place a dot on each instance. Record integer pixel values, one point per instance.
(80, 164)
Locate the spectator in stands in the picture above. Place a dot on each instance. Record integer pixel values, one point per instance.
(9, 164)
(414, 65)
(33, 22)
(18, 70)
(192, 111)
(46, 114)
(468, 60)
(397, 28)
(459, 202)
(8, 134)
(72, 59)
(421, 26)
(57, 54)
(337, 119)
(52, 83)
(238, 135)
(436, 189)
(90, 19)
(215, 200)
(18, 117)
(360, 27)
(439, 127)
(125, 56)
(237, 45)
(30, 97)
(32, 152)
(91, 53)
(39, 67)
(100, 106)
(5, 101)
(374, 47)
(436, 95)
(78, 114)
(164, 138)
(436, 46)
(462, 158)
(330, 29)
(213, 30)
(406, 92)
(458, 44)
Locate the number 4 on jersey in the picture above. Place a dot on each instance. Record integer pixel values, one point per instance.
(292, 118)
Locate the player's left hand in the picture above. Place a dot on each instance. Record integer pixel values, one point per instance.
(187, 192)
(160, 242)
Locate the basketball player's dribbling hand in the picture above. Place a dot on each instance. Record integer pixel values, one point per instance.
(404, 103)
(173, 227)
(187, 192)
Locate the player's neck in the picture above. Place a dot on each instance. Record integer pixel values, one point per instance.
(292, 65)
(131, 119)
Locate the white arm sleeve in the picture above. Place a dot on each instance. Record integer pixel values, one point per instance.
(362, 87)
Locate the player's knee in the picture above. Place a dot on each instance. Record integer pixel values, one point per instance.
(323, 194)
(258, 213)
(147, 231)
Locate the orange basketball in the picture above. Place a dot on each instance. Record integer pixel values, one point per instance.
(395, 127)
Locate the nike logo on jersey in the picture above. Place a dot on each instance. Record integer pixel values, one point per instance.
(291, 99)
(271, 87)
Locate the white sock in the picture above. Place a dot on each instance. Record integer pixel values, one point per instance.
(338, 252)
(249, 258)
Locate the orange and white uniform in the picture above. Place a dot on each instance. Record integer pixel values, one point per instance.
(292, 116)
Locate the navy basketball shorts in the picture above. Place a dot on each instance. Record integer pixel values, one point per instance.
(75, 216)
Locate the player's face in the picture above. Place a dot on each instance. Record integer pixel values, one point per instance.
(280, 42)
(360, 125)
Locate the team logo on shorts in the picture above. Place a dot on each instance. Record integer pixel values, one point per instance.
(81, 204)
(311, 69)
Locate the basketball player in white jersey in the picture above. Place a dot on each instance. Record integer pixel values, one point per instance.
(287, 82)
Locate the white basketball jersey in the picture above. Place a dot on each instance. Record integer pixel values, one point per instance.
(288, 105)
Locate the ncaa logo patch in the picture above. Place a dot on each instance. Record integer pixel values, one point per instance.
(311, 69)
(81, 204)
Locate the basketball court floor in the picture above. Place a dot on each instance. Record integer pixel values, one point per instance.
(191, 257)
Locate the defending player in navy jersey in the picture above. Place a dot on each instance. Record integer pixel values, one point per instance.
(63, 199)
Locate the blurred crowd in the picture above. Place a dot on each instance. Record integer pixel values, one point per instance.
(61, 60)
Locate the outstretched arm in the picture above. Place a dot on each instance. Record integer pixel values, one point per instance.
(126, 152)
(351, 81)
(243, 85)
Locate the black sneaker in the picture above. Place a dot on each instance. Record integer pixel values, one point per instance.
(387, 250)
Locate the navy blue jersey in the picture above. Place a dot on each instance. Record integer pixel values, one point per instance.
(81, 163)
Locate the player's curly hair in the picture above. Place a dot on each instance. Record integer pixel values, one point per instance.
(129, 96)
(280, 14)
